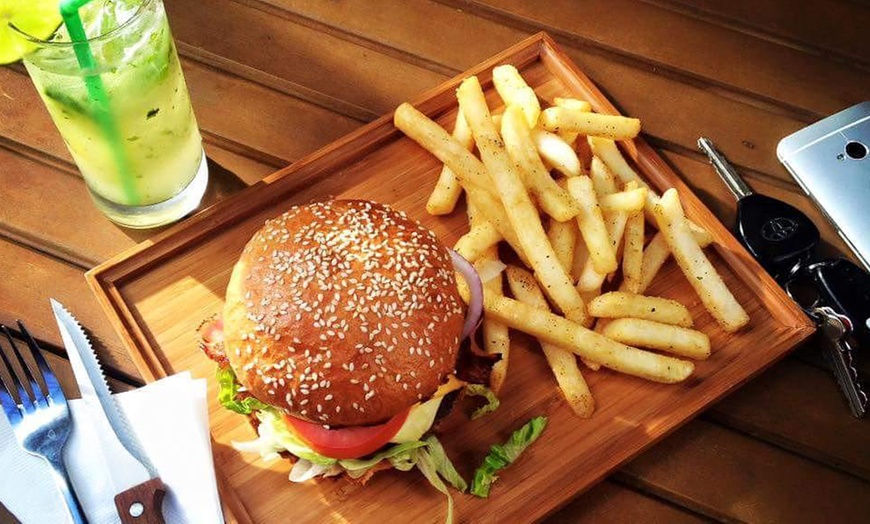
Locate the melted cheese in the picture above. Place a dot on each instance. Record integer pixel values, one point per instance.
(422, 416)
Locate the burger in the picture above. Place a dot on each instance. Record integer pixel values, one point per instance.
(344, 338)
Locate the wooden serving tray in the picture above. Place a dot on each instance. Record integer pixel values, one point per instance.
(157, 294)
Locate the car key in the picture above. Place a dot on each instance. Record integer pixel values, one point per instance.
(845, 287)
(840, 353)
(777, 234)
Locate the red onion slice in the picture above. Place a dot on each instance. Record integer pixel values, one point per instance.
(475, 286)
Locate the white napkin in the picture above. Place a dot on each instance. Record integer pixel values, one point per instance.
(170, 418)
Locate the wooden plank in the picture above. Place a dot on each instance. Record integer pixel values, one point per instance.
(799, 407)
(283, 130)
(716, 472)
(192, 267)
(30, 279)
(674, 111)
(779, 74)
(33, 191)
(305, 56)
(612, 502)
(817, 25)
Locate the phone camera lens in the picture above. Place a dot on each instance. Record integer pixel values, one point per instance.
(856, 150)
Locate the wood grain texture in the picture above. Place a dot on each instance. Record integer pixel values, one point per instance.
(191, 265)
(676, 110)
(804, 85)
(679, 91)
(815, 27)
(611, 502)
(721, 457)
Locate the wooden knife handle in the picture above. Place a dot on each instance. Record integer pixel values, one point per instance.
(142, 504)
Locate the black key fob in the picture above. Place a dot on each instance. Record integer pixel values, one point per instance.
(846, 287)
(777, 234)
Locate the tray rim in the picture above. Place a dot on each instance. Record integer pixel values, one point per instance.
(106, 278)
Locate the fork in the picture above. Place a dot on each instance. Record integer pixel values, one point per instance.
(41, 423)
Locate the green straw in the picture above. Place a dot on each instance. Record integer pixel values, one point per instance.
(69, 11)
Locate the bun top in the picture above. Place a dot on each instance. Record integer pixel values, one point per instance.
(343, 313)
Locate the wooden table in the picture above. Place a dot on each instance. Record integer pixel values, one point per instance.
(273, 80)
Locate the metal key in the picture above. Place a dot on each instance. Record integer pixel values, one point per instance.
(835, 330)
(777, 234)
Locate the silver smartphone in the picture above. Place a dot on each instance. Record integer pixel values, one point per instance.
(831, 161)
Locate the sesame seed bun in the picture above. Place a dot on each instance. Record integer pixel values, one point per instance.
(343, 312)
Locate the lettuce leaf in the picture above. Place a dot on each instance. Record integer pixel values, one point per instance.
(229, 389)
(479, 390)
(443, 465)
(428, 467)
(363, 465)
(501, 456)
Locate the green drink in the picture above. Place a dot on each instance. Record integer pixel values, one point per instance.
(139, 148)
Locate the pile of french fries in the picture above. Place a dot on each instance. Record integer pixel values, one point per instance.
(553, 185)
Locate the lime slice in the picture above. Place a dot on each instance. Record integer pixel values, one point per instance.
(37, 18)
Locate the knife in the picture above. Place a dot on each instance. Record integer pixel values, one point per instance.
(143, 502)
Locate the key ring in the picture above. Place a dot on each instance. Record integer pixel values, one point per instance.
(799, 275)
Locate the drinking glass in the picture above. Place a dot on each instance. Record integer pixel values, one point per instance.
(125, 113)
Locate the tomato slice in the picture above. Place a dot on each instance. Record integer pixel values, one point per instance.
(212, 335)
(346, 443)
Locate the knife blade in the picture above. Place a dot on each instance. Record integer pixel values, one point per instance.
(142, 503)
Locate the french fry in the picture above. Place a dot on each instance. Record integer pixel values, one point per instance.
(632, 253)
(496, 339)
(437, 141)
(614, 127)
(603, 180)
(619, 304)
(586, 343)
(496, 215)
(563, 238)
(563, 363)
(554, 200)
(676, 340)
(470, 171)
(709, 286)
(590, 279)
(512, 88)
(478, 239)
(617, 241)
(570, 137)
(517, 204)
(629, 201)
(608, 152)
(556, 152)
(475, 218)
(574, 104)
(656, 254)
(580, 259)
(592, 227)
(447, 190)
